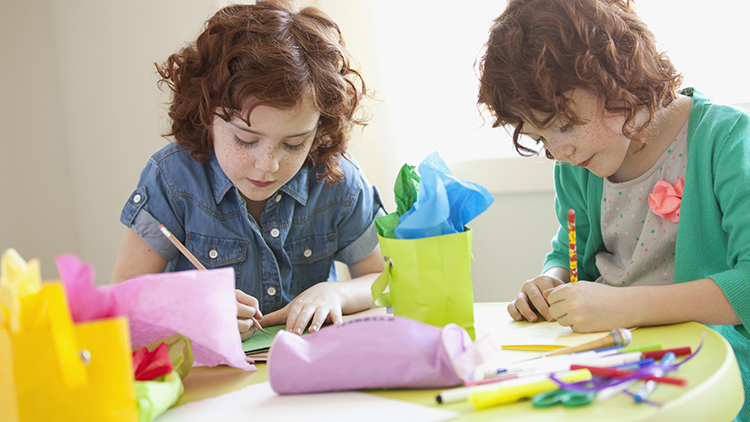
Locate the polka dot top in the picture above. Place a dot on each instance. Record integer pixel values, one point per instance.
(640, 245)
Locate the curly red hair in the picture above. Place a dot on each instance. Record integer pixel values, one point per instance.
(539, 49)
(270, 54)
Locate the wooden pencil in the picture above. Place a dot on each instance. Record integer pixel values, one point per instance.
(181, 247)
(194, 260)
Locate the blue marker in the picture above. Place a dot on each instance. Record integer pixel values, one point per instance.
(637, 365)
(649, 387)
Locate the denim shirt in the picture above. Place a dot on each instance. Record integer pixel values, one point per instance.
(305, 226)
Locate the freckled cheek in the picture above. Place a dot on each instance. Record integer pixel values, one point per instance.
(290, 164)
(235, 159)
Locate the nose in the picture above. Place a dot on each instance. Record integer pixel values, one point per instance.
(267, 161)
(563, 152)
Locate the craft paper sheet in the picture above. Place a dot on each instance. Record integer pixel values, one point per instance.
(258, 402)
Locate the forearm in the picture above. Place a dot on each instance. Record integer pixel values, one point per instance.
(562, 274)
(701, 301)
(355, 294)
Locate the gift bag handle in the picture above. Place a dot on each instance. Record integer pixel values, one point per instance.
(71, 360)
(378, 287)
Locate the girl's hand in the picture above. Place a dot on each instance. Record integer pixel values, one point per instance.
(531, 299)
(319, 304)
(588, 307)
(247, 308)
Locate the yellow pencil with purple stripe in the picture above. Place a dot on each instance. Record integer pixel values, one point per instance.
(572, 245)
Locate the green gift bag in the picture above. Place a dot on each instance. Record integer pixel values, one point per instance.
(429, 279)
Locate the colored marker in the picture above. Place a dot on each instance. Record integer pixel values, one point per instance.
(659, 354)
(484, 399)
(642, 394)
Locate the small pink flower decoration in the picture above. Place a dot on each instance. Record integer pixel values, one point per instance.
(665, 199)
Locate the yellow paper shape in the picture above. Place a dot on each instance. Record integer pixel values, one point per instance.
(18, 280)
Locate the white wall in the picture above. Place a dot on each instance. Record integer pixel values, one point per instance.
(80, 114)
(37, 207)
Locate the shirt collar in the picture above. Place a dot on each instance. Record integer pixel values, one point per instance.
(295, 188)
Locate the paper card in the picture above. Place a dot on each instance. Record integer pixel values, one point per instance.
(548, 333)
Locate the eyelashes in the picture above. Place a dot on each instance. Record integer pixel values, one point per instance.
(293, 148)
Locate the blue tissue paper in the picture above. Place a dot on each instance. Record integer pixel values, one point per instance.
(445, 204)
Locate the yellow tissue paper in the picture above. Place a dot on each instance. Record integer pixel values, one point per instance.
(18, 280)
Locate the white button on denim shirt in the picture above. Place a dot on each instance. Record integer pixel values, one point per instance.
(306, 225)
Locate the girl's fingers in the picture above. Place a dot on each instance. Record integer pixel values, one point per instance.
(524, 308)
(246, 312)
(246, 299)
(513, 312)
(246, 328)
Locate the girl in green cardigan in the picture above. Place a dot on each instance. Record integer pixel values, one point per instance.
(659, 179)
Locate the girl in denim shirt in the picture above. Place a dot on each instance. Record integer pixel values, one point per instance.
(257, 178)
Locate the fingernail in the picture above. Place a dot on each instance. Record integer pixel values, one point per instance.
(298, 330)
(313, 328)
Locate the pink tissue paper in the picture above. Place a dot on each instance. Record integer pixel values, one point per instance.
(200, 305)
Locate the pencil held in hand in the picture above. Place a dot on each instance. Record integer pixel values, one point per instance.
(572, 245)
(181, 247)
(194, 260)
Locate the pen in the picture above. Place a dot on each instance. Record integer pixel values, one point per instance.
(552, 362)
(637, 365)
(643, 348)
(612, 391)
(659, 354)
(642, 394)
(485, 398)
(463, 393)
(194, 260)
(596, 367)
(572, 245)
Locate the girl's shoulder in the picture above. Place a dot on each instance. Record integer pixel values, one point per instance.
(706, 114)
(178, 169)
(354, 177)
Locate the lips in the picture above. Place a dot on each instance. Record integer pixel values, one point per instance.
(260, 184)
(585, 163)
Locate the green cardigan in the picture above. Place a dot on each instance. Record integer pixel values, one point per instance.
(713, 238)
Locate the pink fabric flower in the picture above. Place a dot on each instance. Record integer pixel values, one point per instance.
(665, 199)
